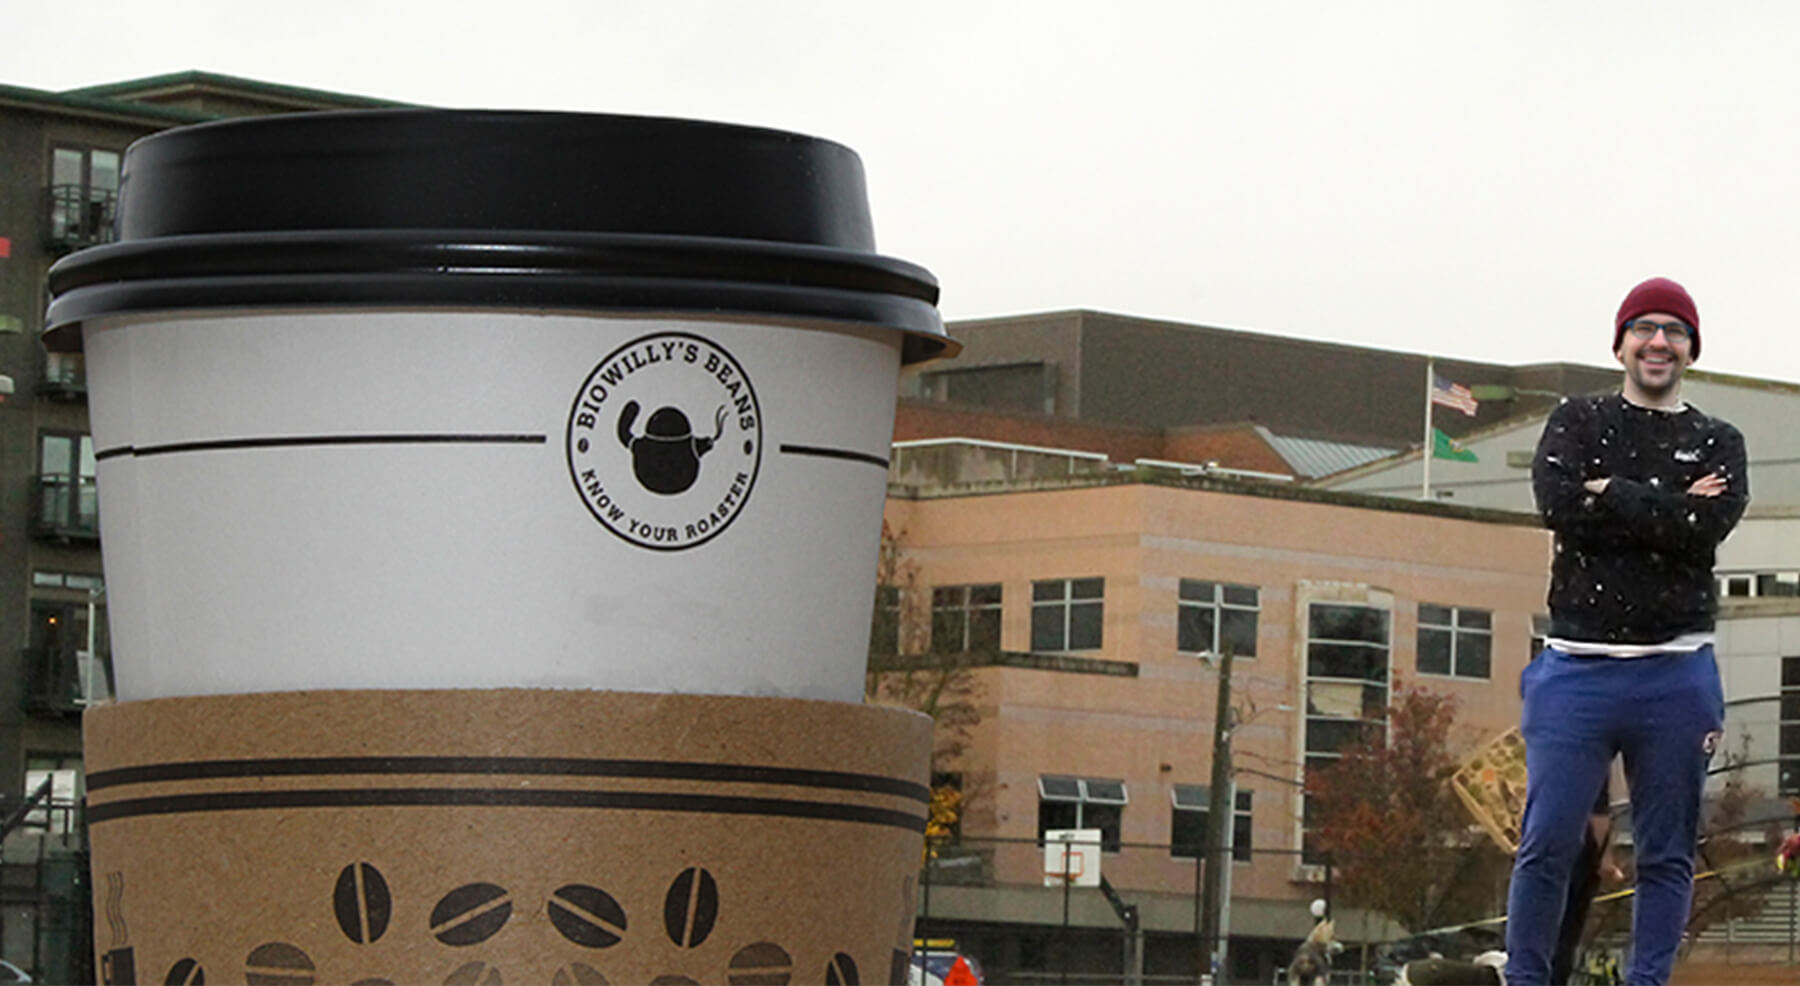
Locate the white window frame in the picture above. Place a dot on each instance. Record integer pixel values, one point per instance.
(1067, 601)
(1312, 712)
(966, 611)
(1088, 791)
(1756, 583)
(1219, 606)
(890, 601)
(1787, 771)
(1458, 631)
(1196, 798)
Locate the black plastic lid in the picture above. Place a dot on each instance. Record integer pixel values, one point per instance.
(481, 208)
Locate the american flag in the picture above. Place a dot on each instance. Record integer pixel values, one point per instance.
(1452, 395)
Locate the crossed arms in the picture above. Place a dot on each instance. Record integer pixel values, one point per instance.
(1590, 510)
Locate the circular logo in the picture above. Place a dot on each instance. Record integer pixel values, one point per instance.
(665, 440)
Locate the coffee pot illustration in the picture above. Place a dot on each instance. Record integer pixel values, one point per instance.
(666, 457)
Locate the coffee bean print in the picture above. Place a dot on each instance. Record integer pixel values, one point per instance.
(471, 914)
(187, 972)
(691, 907)
(373, 982)
(117, 965)
(578, 974)
(673, 981)
(278, 964)
(899, 966)
(475, 974)
(761, 964)
(587, 916)
(842, 971)
(362, 903)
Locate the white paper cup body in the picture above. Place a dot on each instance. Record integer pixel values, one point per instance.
(477, 498)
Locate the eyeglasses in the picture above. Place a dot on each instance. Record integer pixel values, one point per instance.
(1675, 332)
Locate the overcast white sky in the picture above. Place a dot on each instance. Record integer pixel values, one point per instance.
(1471, 179)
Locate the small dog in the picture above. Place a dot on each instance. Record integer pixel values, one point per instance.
(1488, 969)
(1312, 960)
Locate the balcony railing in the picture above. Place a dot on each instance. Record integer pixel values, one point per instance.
(63, 681)
(66, 509)
(65, 378)
(76, 216)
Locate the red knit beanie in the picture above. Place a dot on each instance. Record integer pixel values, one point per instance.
(1658, 294)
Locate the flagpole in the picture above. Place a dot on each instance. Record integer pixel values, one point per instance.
(1430, 379)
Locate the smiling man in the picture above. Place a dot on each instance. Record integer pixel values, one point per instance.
(1639, 489)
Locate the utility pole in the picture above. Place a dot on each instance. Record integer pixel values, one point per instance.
(1219, 811)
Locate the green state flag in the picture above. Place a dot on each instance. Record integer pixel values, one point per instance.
(1445, 447)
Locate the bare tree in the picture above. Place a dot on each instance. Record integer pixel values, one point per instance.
(905, 671)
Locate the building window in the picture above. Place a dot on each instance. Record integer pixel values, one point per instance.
(64, 774)
(66, 663)
(884, 630)
(1082, 803)
(1540, 635)
(1455, 641)
(84, 194)
(1067, 614)
(67, 501)
(1188, 820)
(965, 618)
(65, 374)
(1028, 387)
(1212, 616)
(1790, 728)
(1759, 585)
(67, 580)
(1347, 653)
(1784, 584)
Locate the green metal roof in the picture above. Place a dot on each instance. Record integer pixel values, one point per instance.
(122, 102)
(131, 90)
(112, 109)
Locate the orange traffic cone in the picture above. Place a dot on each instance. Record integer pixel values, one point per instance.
(960, 974)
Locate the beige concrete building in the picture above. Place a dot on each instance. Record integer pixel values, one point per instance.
(1118, 728)
(1099, 602)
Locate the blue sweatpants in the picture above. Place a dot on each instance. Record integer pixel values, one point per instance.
(1659, 713)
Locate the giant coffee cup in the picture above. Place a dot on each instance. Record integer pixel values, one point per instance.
(421, 399)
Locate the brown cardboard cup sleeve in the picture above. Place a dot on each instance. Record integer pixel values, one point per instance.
(505, 836)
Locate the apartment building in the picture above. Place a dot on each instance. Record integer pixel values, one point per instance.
(60, 172)
(60, 157)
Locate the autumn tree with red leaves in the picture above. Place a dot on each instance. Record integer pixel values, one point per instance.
(1398, 837)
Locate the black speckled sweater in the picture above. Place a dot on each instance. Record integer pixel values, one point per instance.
(1634, 565)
